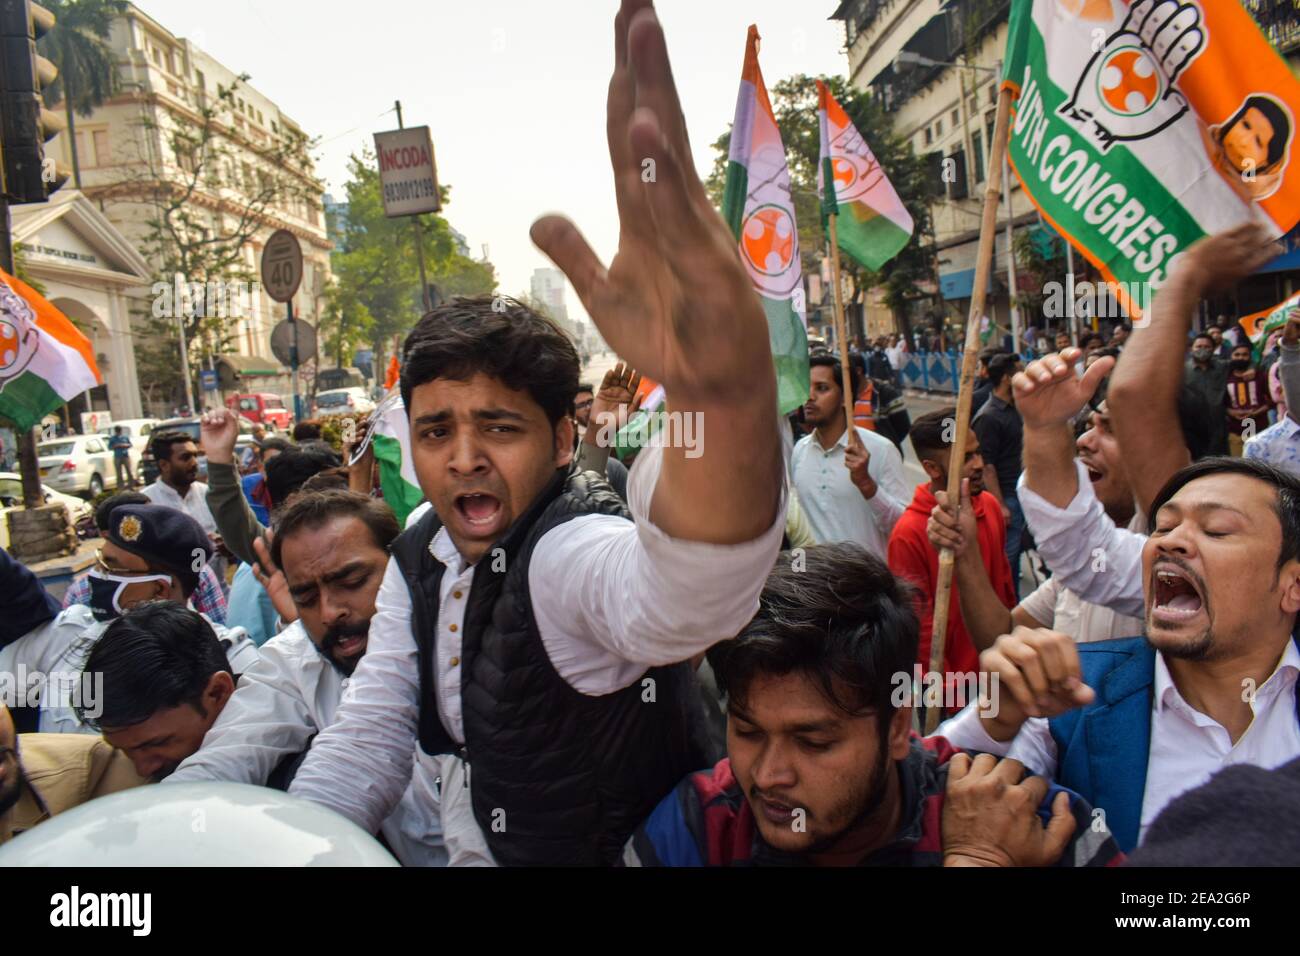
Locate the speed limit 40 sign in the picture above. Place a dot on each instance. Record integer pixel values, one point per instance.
(282, 265)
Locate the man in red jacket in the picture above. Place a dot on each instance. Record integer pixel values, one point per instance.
(911, 555)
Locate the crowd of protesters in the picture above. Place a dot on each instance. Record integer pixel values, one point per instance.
(714, 659)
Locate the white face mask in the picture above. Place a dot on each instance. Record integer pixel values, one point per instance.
(106, 591)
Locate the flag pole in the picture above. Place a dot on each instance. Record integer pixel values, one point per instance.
(983, 262)
(840, 332)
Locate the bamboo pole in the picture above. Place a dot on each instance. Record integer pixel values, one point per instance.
(983, 262)
(840, 331)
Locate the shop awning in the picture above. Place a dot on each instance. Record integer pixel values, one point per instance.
(232, 368)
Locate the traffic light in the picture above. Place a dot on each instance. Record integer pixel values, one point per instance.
(25, 124)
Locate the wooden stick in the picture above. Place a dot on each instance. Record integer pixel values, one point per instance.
(983, 262)
(841, 332)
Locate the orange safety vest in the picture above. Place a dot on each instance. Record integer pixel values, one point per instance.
(864, 412)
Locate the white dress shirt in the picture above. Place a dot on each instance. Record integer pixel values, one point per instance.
(1099, 562)
(194, 504)
(57, 650)
(291, 694)
(1187, 747)
(611, 598)
(832, 502)
(1058, 608)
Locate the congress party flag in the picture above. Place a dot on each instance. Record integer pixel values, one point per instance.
(44, 358)
(1259, 325)
(1141, 127)
(873, 224)
(391, 436)
(758, 206)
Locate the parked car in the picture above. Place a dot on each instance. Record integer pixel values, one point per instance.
(343, 401)
(77, 464)
(190, 426)
(11, 498)
(262, 408)
(138, 430)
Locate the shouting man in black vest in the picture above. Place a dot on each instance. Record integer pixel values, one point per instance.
(527, 630)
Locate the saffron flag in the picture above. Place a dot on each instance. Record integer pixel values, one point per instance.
(760, 211)
(44, 358)
(1141, 127)
(872, 225)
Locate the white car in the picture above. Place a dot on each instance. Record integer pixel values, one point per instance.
(11, 498)
(343, 401)
(138, 430)
(77, 464)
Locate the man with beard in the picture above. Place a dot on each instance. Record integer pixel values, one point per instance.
(527, 620)
(850, 481)
(165, 680)
(822, 767)
(45, 774)
(1130, 724)
(332, 548)
(914, 558)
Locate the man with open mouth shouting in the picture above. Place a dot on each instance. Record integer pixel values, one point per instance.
(526, 629)
(1130, 724)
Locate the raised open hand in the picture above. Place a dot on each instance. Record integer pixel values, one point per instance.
(1049, 391)
(676, 301)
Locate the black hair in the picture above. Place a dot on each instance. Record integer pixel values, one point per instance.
(104, 510)
(1001, 367)
(1286, 486)
(307, 430)
(1276, 114)
(156, 656)
(330, 479)
(1093, 337)
(933, 432)
(584, 387)
(273, 443)
(839, 618)
(316, 508)
(161, 445)
(832, 361)
(987, 353)
(1203, 335)
(499, 337)
(286, 472)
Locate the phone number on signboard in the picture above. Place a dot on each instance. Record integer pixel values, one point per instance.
(408, 189)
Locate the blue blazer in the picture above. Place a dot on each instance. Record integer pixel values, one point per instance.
(1102, 748)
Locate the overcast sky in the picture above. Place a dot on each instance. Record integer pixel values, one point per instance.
(513, 91)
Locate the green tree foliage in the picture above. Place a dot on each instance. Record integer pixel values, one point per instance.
(78, 46)
(794, 101)
(377, 295)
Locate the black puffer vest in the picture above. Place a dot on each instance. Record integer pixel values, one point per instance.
(557, 777)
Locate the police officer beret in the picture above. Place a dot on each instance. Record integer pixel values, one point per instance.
(163, 536)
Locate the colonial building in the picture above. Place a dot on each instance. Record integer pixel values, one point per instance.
(125, 150)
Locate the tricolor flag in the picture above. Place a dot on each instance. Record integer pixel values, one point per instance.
(391, 435)
(44, 359)
(760, 210)
(1259, 325)
(872, 225)
(1142, 127)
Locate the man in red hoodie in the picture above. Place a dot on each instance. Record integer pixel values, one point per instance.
(911, 555)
